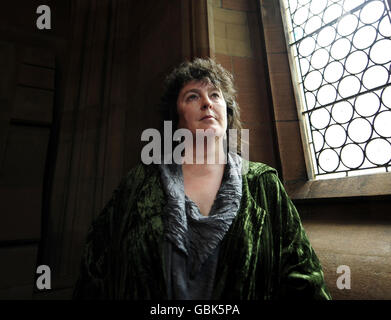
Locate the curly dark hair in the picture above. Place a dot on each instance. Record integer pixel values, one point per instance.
(200, 70)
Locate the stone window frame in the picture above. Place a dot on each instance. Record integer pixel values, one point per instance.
(289, 124)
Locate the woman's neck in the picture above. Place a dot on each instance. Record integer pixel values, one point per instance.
(209, 151)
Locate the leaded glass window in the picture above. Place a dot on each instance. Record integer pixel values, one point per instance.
(341, 55)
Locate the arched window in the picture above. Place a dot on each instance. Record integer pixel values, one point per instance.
(340, 53)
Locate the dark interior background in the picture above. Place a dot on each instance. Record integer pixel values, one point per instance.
(75, 99)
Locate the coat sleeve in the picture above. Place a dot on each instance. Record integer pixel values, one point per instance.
(300, 272)
(98, 269)
(91, 283)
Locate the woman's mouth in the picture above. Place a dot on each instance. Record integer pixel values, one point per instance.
(207, 117)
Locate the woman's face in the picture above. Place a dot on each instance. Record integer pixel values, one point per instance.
(200, 105)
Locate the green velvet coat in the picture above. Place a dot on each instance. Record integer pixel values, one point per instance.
(264, 255)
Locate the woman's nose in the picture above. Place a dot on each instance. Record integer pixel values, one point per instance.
(206, 103)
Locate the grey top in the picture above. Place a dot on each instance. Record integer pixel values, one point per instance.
(192, 245)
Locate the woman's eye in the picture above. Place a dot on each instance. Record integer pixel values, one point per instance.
(191, 97)
(215, 95)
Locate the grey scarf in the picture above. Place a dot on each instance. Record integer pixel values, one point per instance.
(191, 232)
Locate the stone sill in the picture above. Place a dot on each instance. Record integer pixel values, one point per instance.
(373, 185)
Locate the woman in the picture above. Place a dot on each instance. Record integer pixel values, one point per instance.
(200, 230)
